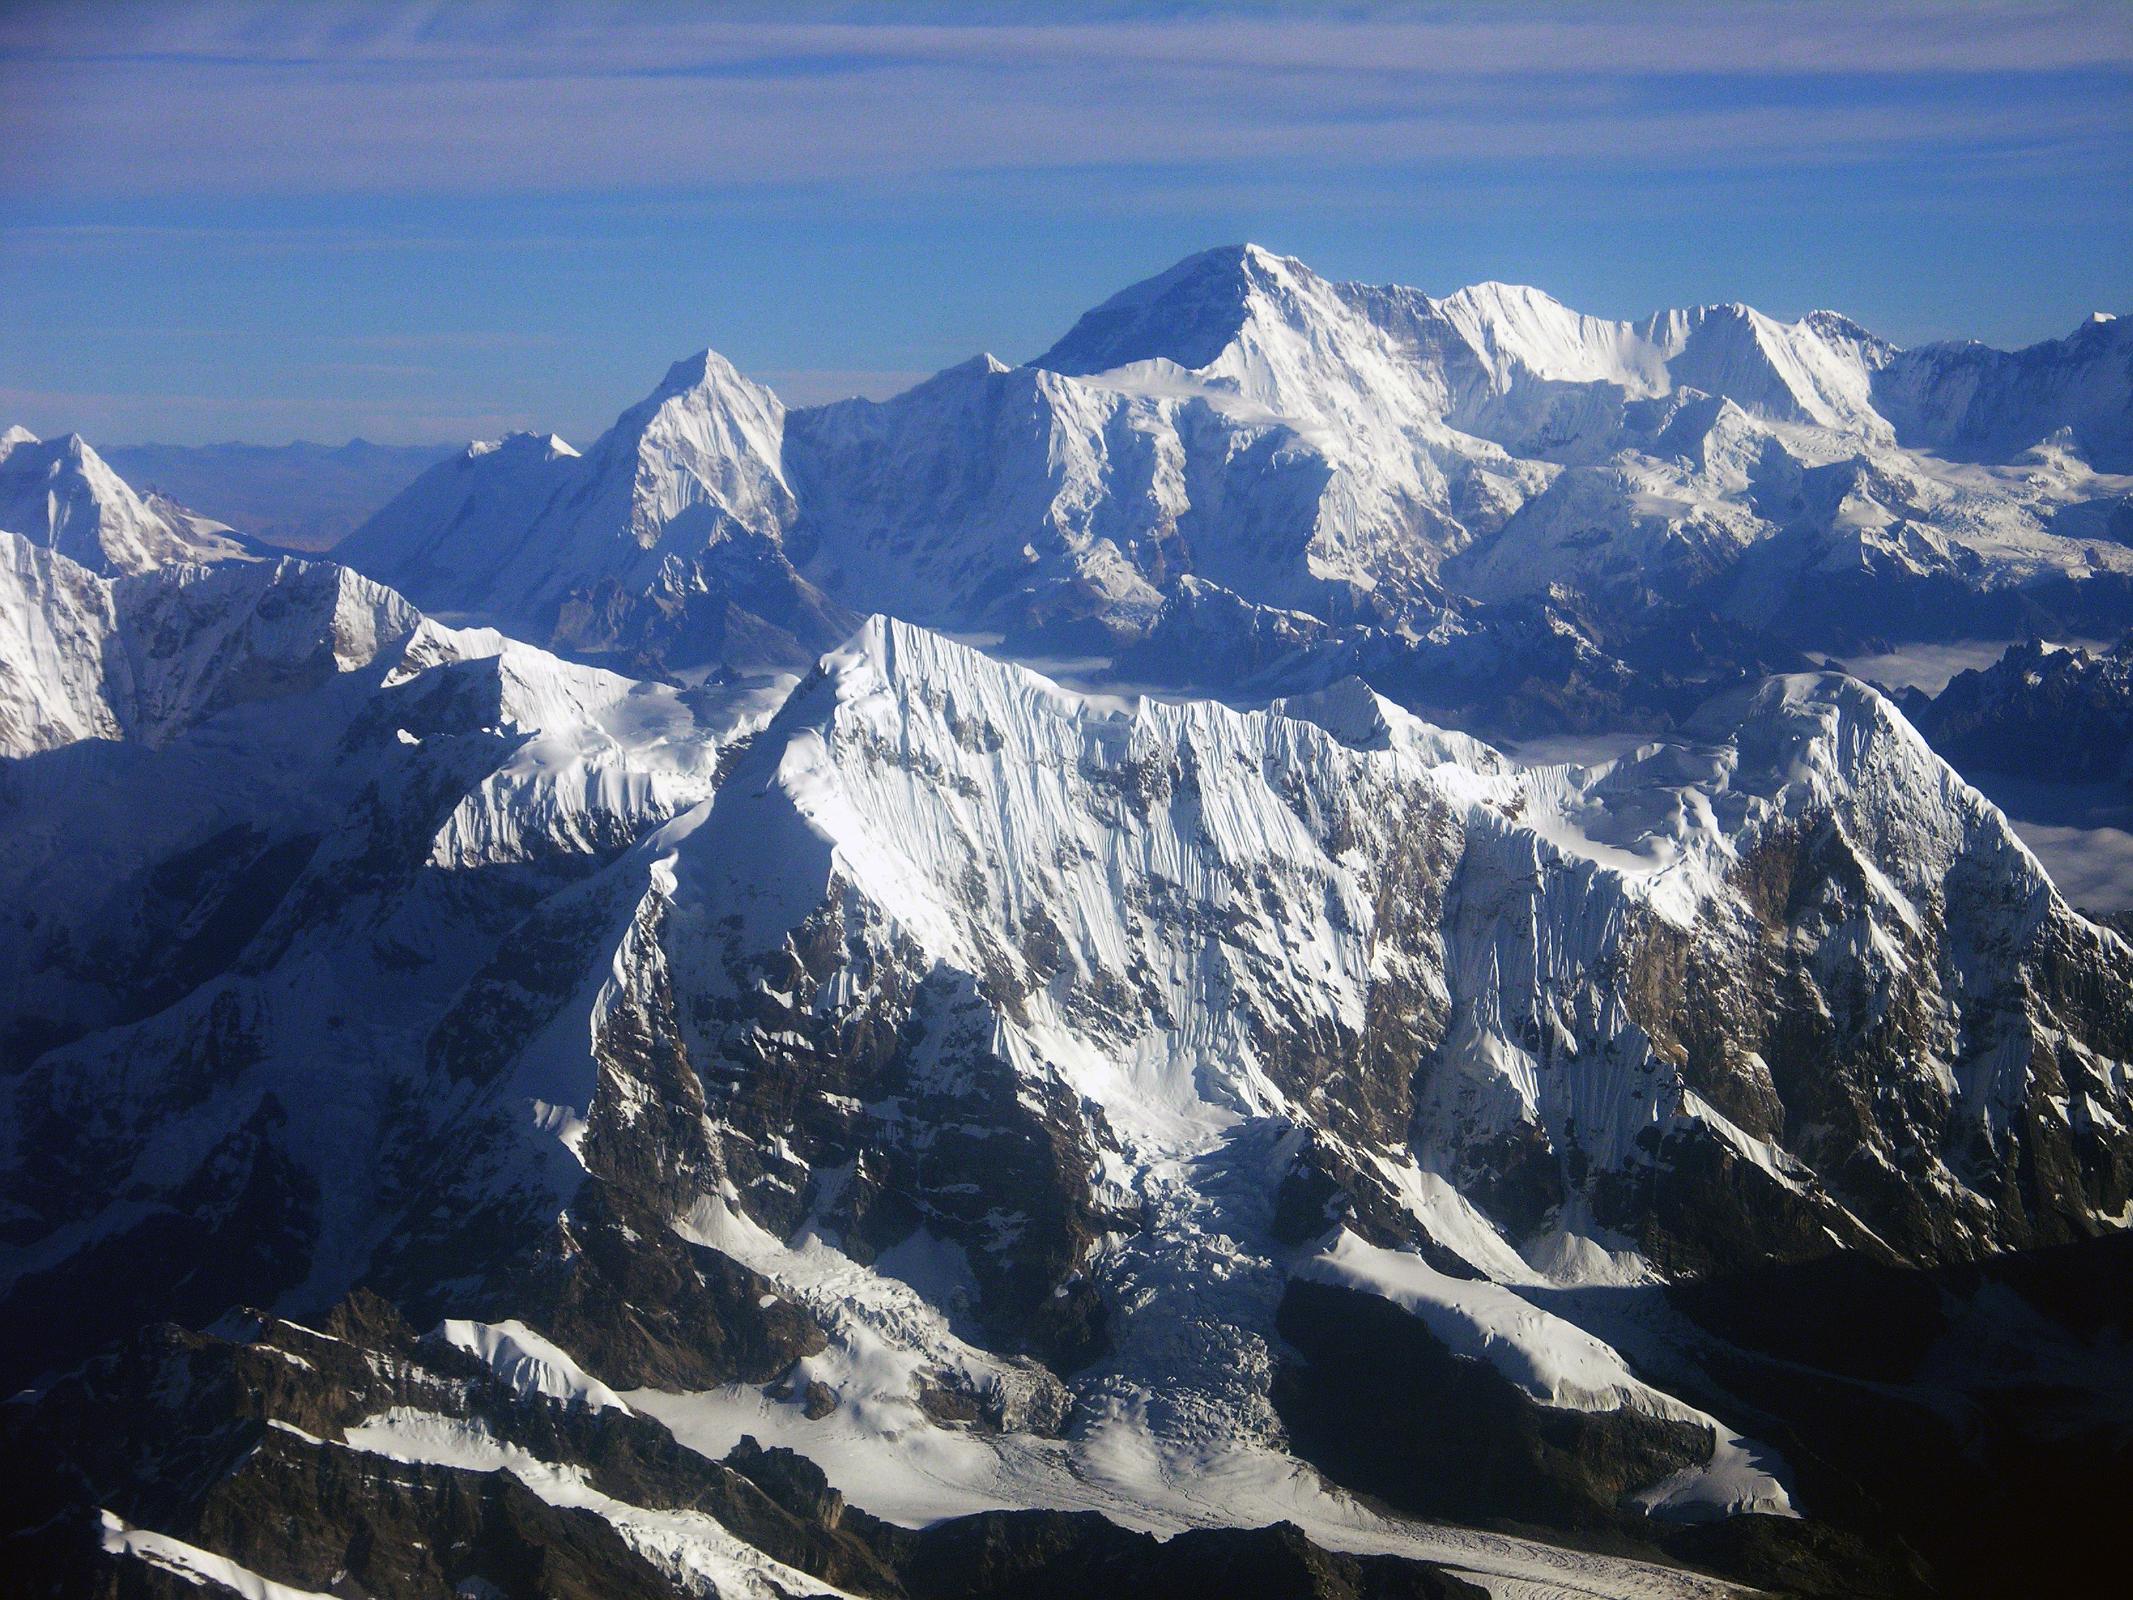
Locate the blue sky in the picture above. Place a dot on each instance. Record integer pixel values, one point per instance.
(424, 223)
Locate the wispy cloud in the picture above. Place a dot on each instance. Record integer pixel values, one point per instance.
(278, 219)
(309, 99)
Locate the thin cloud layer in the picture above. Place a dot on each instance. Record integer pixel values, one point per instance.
(323, 99)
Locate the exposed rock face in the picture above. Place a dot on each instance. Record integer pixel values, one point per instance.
(1490, 1451)
(358, 1458)
(2062, 715)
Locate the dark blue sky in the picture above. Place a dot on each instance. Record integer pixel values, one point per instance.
(266, 222)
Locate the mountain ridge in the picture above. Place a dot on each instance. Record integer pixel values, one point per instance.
(1371, 457)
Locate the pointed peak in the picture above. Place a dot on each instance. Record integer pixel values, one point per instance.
(1493, 301)
(707, 372)
(1497, 291)
(1187, 314)
(972, 374)
(17, 434)
(983, 365)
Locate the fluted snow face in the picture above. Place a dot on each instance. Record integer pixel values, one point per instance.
(146, 656)
(946, 997)
(55, 617)
(987, 814)
(942, 911)
(712, 439)
(1199, 918)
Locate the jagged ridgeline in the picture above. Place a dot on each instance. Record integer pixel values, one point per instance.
(490, 1111)
(1243, 475)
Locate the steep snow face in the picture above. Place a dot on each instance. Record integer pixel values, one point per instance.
(985, 1022)
(529, 1363)
(703, 447)
(289, 821)
(1306, 349)
(55, 620)
(1975, 403)
(1400, 488)
(61, 495)
(146, 656)
(1817, 371)
(1518, 333)
(452, 533)
(1439, 421)
(1002, 499)
(1187, 316)
(1119, 830)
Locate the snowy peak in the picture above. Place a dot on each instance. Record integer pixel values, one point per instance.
(1187, 315)
(1787, 372)
(1518, 331)
(1154, 901)
(665, 537)
(1364, 454)
(61, 494)
(521, 446)
(1272, 330)
(712, 377)
(705, 438)
(143, 656)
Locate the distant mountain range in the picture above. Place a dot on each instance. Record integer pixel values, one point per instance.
(1409, 488)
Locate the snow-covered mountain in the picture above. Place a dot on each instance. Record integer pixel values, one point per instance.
(1974, 403)
(1394, 466)
(1002, 1096)
(2047, 712)
(665, 537)
(59, 494)
(603, 1046)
